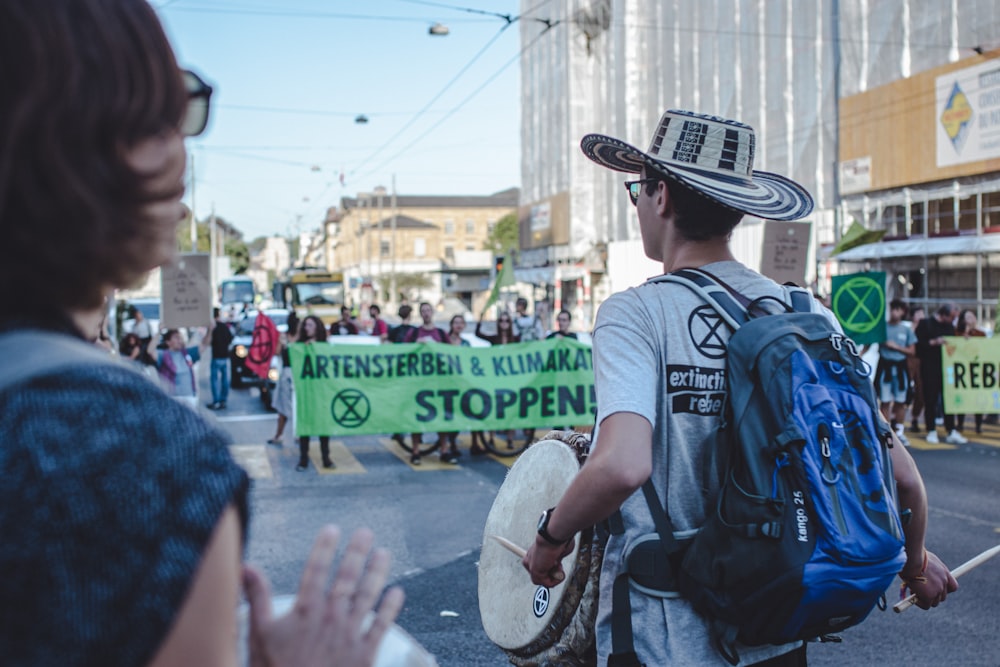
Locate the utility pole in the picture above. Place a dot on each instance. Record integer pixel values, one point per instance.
(392, 279)
(213, 248)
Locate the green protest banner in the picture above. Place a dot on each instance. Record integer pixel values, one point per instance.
(858, 301)
(970, 367)
(424, 387)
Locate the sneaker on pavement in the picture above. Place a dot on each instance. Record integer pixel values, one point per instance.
(903, 439)
(956, 438)
(932, 437)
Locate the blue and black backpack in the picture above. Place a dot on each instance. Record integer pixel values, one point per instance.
(805, 536)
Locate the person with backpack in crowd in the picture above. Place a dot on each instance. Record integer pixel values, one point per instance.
(175, 364)
(661, 394)
(892, 379)
(931, 333)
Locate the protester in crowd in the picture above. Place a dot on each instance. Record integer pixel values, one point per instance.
(892, 381)
(175, 365)
(379, 327)
(968, 326)
(222, 337)
(345, 326)
(398, 334)
(144, 331)
(930, 337)
(504, 331)
(284, 389)
(527, 327)
(123, 514)
(504, 336)
(427, 332)
(563, 320)
(449, 439)
(312, 331)
(693, 187)
(917, 313)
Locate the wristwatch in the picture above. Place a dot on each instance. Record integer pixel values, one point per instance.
(543, 528)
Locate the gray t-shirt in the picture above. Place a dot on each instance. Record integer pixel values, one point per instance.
(680, 393)
(901, 335)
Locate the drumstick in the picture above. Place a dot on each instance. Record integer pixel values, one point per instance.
(519, 552)
(973, 562)
(510, 546)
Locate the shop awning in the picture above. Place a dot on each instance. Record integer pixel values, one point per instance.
(947, 245)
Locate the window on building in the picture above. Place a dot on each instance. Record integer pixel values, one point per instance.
(967, 212)
(419, 247)
(470, 247)
(991, 209)
(941, 216)
(384, 249)
(490, 226)
(894, 220)
(918, 218)
(470, 226)
(449, 227)
(449, 253)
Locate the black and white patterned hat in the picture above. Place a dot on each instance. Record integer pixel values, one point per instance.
(710, 155)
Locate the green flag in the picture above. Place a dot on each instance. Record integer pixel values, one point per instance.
(857, 235)
(858, 301)
(505, 277)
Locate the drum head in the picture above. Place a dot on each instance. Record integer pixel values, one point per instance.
(515, 611)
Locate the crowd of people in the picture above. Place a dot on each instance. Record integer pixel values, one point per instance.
(909, 375)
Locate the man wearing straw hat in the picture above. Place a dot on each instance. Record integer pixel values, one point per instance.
(659, 359)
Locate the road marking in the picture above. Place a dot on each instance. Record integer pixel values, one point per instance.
(964, 517)
(922, 444)
(253, 459)
(247, 418)
(342, 457)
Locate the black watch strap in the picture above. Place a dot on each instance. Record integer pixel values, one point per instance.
(543, 529)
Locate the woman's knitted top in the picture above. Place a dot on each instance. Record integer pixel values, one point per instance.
(109, 492)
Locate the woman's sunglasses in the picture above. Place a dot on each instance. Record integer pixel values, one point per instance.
(199, 94)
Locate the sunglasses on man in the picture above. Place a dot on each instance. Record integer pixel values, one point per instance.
(199, 94)
(635, 188)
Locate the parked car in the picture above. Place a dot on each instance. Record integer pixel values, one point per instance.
(150, 309)
(241, 376)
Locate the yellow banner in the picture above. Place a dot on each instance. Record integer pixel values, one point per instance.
(970, 368)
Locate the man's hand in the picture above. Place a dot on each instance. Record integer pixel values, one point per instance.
(327, 624)
(544, 562)
(932, 585)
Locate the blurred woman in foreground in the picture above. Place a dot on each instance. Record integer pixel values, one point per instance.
(123, 516)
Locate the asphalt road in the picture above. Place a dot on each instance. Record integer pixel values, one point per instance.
(431, 518)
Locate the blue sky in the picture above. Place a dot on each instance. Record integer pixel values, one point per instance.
(290, 77)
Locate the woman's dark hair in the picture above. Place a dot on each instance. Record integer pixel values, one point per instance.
(961, 326)
(451, 322)
(320, 327)
(83, 81)
(698, 218)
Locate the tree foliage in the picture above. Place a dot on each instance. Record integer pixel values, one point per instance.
(505, 235)
(235, 249)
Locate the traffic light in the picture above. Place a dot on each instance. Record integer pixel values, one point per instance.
(498, 264)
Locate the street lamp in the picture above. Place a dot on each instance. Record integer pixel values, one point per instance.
(438, 30)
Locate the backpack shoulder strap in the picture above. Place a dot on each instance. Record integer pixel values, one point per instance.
(30, 353)
(800, 298)
(712, 292)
